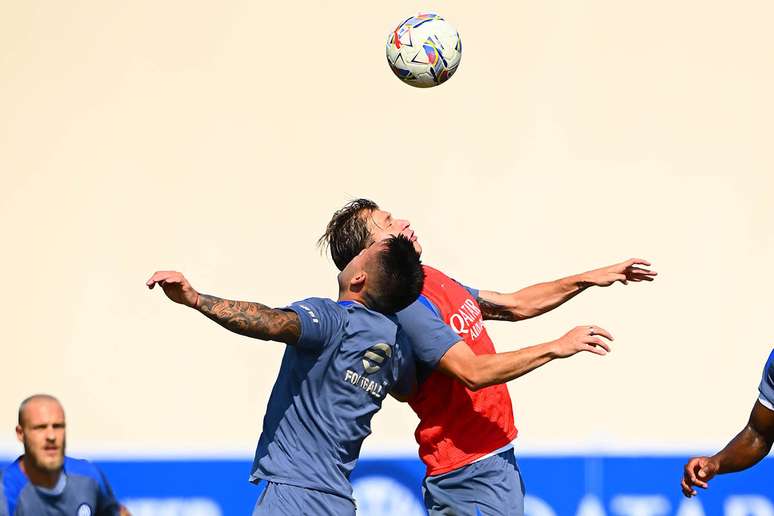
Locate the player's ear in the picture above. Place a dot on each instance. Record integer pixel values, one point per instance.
(20, 433)
(358, 281)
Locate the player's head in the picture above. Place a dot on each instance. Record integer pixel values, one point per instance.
(41, 429)
(386, 276)
(357, 225)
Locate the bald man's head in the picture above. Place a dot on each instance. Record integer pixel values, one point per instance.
(41, 430)
(34, 398)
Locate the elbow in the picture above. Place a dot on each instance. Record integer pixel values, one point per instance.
(521, 307)
(525, 309)
(525, 313)
(473, 379)
(473, 371)
(476, 386)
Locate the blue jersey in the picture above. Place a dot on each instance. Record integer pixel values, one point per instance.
(766, 387)
(82, 491)
(329, 386)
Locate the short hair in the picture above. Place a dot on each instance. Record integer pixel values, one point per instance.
(34, 397)
(399, 279)
(347, 232)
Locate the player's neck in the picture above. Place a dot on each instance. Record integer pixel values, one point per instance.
(37, 476)
(349, 295)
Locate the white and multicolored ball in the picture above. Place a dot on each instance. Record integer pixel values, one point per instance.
(424, 50)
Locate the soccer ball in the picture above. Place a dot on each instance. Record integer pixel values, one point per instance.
(424, 50)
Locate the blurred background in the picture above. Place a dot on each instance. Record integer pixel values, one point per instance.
(218, 140)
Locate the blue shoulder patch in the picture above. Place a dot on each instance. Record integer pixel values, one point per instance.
(84, 468)
(769, 370)
(429, 305)
(14, 482)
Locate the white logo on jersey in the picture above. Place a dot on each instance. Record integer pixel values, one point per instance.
(372, 363)
(373, 388)
(374, 357)
(467, 319)
(311, 313)
(84, 510)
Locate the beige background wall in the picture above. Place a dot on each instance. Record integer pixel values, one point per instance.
(218, 139)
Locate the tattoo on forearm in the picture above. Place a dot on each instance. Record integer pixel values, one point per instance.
(251, 319)
(495, 312)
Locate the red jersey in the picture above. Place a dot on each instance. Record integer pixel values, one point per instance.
(457, 425)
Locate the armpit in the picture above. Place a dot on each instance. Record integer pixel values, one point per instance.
(495, 312)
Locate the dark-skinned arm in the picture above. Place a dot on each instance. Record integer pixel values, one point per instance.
(544, 297)
(745, 450)
(243, 317)
(751, 445)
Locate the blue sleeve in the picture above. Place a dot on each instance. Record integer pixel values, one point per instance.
(320, 320)
(107, 505)
(472, 291)
(11, 487)
(430, 337)
(766, 386)
(3, 501)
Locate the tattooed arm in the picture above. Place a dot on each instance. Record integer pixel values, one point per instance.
(242, 317)
(544, 297)
(251, 319)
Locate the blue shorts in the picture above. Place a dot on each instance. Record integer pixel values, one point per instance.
(489, 487)
(287, 500)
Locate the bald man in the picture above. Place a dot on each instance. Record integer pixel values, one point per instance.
(44, 481)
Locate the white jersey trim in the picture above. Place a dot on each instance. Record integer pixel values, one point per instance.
(766, 403)
(498, 451)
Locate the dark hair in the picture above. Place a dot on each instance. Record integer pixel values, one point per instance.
(347, 233)
(400, 277)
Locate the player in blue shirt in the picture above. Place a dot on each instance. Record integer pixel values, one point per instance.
(745, 450)
(341, 361)
(44, 481)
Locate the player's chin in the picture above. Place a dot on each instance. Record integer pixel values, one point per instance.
(52, 464)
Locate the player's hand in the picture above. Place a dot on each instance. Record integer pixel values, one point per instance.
(583, 338)
(123, 511)
(697, 472)
(175, 286)
(634, 269)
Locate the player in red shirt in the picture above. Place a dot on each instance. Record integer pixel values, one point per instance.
(466, 417)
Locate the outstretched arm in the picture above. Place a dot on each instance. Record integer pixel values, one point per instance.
(750, 445)
(543, 297)
(479, 371)
(243, 317)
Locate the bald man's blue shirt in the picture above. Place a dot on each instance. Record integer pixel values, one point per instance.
(330, 384)
(82, 491)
